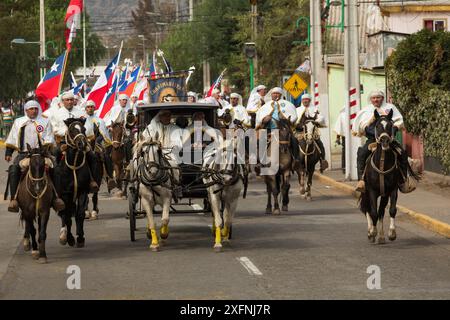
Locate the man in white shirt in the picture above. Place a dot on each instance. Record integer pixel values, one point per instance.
(33, 130)
(68, 110)
(119, 111)
(341, 133)
(240, 115)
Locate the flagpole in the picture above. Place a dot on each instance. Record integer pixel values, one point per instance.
(84, 44)
(115, 71)
(63, 70)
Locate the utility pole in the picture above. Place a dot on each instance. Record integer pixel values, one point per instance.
(42, 33)
(351, 70)
(319, 75)
(254, 15)
(191, 10)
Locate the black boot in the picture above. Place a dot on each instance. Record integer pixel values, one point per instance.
(14, 178)
(323, 162)
(362, 155)
(58, 204)
(92, 162)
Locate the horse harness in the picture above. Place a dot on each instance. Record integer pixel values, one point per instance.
(29, 180)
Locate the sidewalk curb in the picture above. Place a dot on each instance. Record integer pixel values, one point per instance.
(424, 220)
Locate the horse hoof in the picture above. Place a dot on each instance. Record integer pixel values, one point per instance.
(381, 240)
(308, 198)
(303, 195)
(26, 245)
(80, 242)
(268, 210)
(70, 240)
(392, 235)
(35, 254)
(371, 237)
(284, 208)
(154, 247)
(87, 214)
(164, 236)
(63, 236)
(276, 212)
(42, 260)
(217, 248)
(94, 215)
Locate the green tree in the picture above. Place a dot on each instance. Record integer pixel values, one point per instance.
(20, 19)
(421, 89)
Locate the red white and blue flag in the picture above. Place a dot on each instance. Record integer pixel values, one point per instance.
(78, 88)
(72, 20)
(128, 85)
(216, 83)
(48, 87)
(109, 99)
(104, 82)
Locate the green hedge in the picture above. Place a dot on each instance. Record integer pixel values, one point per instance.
(419, 80)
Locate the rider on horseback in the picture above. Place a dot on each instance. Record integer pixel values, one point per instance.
(33, 130)
(275, 110)
(93, 124)
(364, 125)
(70, 111)
(306, 109)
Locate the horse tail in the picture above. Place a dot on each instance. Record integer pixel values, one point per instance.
(415, 175)
(364, 202)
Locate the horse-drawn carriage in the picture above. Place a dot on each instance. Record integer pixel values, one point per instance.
(191, 176)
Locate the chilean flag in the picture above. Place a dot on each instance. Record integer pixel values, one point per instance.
(104, 82)
(72, 20)
(48, 88)
(128, 86)
(109, 99)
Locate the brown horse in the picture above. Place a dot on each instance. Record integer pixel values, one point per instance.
(278, 182)
(35, 196)
(118, 156)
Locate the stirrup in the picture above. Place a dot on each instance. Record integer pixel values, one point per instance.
(93, 186)
(58, 205)
(13, 206)
(361, 186)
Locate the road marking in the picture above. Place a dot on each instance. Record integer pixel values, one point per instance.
(196, 206)
(251, 268)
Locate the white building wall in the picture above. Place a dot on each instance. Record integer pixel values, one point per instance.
(411, 22)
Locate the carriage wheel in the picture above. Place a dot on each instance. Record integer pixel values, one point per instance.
(132, 214)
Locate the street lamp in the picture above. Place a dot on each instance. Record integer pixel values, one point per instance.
(42, 59)
(250, 53)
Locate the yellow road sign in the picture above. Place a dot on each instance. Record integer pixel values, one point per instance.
(295, 85)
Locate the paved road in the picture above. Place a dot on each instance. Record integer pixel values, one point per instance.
(318, 250)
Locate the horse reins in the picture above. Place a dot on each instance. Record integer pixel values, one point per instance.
(33, 179)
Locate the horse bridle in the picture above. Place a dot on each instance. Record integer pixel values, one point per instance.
(71, 141)
(162, 173)
(119, 143)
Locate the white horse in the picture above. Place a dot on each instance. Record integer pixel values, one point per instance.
(224, 180)
(155, 174)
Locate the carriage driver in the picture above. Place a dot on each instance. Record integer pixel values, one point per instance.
(68, 110)
(364, 125)
(34, 130)
(103, 139)
(308, 110)
(169, 135)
